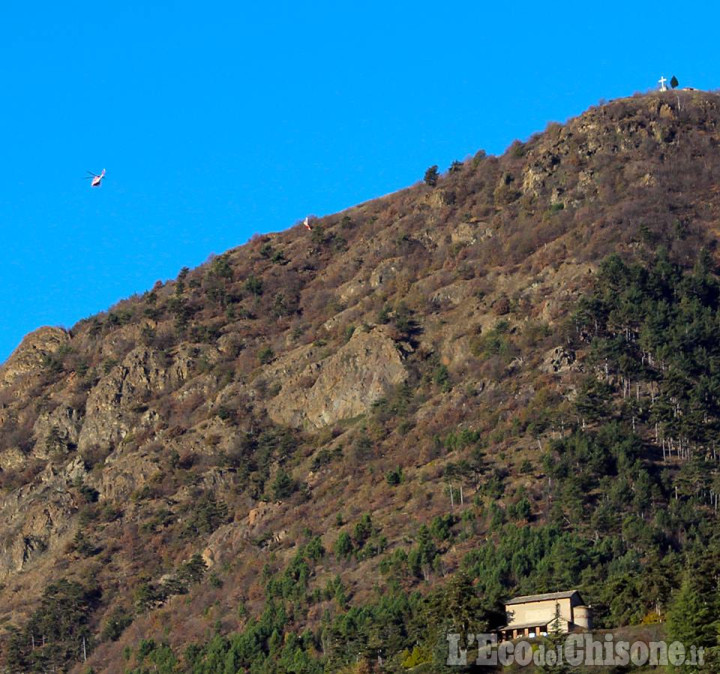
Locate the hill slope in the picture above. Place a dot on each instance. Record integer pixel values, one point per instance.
(322, 449)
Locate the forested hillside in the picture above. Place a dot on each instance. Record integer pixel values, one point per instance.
(323, 450)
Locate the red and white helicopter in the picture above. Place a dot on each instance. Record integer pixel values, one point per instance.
(95, 178)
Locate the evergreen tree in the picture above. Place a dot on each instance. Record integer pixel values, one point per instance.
(422, 557)
(343, 545)
(431, 176)
(554, 661)
(692, 619)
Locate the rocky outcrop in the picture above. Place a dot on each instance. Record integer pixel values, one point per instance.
(37, 517)
(125, 473)
(450, 295)
(32, 353)
(351, 290)
(385, 272)
(56, 432)
(558, 360)
(12, 459)
(342, 386)
(113, 405)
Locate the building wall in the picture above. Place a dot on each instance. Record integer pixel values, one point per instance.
(539, 612)
(583, 617)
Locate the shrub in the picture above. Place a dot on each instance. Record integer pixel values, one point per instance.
(254, 285)
(265, 355)
(324, 457)
(394, 477)
(206, 515)
(193, 570)
(89, 494)
(118, 621)
(441, 378)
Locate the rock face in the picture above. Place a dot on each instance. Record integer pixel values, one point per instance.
(345, 384)
(385, 271)
(56, 431)
(110, 405)
(36, 518)
(558, 360)
(30, 355)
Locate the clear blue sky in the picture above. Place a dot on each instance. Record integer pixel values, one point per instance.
(218, 120)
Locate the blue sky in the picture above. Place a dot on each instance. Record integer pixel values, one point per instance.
(218, 120)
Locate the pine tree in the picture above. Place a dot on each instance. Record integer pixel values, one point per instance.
(343, 545)
(692, 619)
(554, 643)
(431, 176)
(426, 551)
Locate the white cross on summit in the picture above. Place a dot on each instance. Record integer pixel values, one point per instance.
(662, 81)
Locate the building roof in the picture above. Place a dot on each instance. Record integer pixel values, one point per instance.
(541, 597)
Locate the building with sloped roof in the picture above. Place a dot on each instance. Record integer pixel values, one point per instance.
(540, 614)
